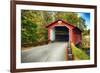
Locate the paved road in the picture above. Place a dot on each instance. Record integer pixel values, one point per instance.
(51, 52)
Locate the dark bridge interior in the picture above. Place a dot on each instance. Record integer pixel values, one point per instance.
(61, 33)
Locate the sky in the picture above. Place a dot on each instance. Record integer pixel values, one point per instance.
(85, 16)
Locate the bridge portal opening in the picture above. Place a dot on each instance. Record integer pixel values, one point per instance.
(61, 33)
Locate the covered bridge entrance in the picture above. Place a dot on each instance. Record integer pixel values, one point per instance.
(60, 30)
(61, 33)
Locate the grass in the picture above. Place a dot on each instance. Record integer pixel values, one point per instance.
(79, 54)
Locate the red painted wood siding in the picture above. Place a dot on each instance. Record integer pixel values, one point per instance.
(74, 33)
(77, 36)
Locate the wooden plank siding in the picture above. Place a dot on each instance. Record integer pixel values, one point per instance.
(75, 35)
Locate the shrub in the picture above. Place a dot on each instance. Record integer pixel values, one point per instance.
(78, 54)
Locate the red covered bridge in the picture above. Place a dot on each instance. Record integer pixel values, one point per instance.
(60, 30)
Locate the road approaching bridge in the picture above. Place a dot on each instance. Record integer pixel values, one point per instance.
(51, 52)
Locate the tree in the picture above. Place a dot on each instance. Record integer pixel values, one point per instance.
(34, 22)
(81, 23)
(27, 28)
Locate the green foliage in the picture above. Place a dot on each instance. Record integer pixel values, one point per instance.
(72, 18)
(33, 29)
(34, 22)
(78, 53)
(86, 39)
(86, 32)
(28, 31)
